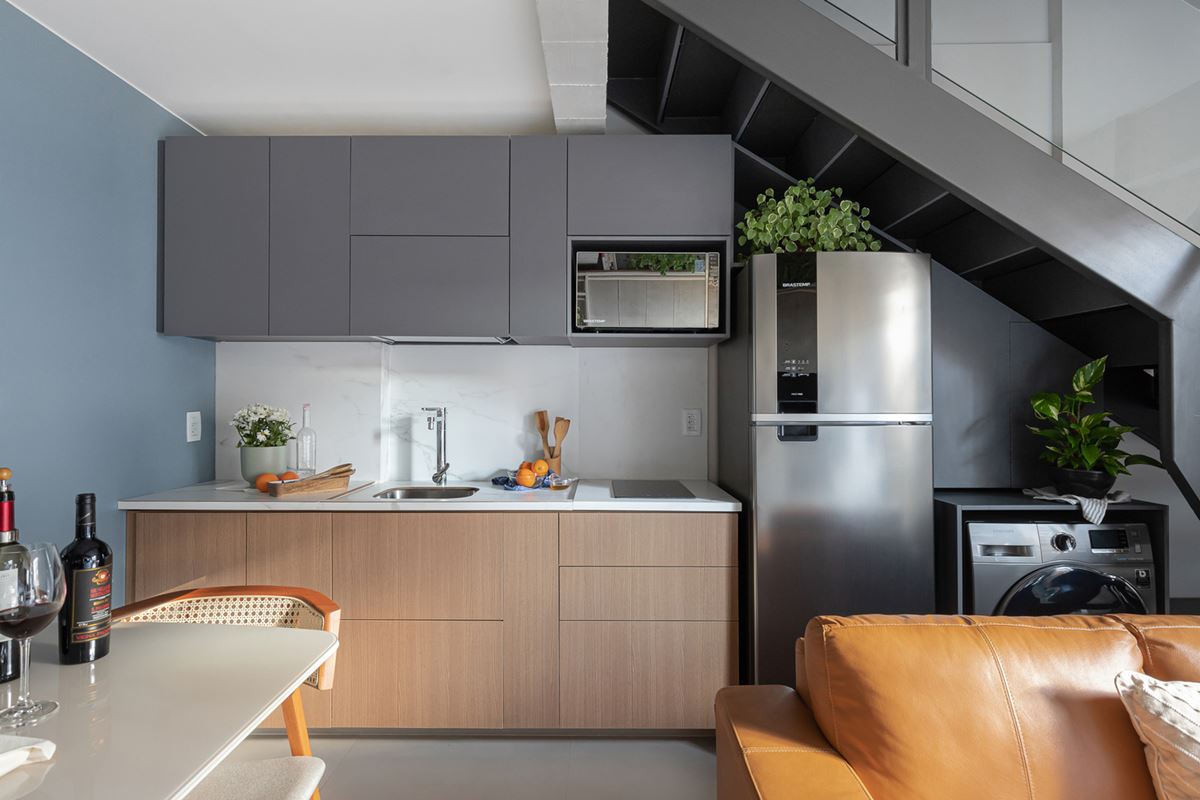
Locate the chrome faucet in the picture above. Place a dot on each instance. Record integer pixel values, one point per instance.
(437, 418)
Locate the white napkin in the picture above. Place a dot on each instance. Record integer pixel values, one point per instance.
(17, 751)
(1093, 508)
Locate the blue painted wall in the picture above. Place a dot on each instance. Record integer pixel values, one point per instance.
(92, 399)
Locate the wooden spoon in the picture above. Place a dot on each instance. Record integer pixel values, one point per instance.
(543, 426)
(561, 426)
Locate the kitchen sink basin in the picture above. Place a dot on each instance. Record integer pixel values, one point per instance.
(427, 493)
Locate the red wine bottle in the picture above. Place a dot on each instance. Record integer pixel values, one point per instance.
(83, 622)
(10, 665)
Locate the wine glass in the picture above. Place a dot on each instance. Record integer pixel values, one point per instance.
(32, 591)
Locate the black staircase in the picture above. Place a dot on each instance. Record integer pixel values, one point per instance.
(680, 66)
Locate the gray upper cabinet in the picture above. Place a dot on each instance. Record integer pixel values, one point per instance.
(429, 185)
(215, 236)
(429, 286)
(650, 186)
(538, 240)
(310, 236)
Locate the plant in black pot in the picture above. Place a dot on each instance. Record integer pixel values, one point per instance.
(1085, 449)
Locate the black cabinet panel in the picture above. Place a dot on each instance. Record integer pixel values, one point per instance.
(310, 236)
(215, 236)
(650, 186)
(538, 295)
(429, 185)
(429, 286)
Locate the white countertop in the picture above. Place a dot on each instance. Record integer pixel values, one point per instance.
(585, 495)
(153, 717)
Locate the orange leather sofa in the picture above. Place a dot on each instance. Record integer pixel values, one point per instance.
(952, 708)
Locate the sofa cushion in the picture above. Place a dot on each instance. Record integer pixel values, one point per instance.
(1002, 707)
(1170, 644)
(801, 674)
(1166, 715)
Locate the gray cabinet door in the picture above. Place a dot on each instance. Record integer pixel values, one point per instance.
(538, 297)
(215, 236)
(429, 286)
(310, 236)
(650, 186)
(429, 185)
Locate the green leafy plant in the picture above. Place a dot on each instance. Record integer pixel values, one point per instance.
(662, 263)
(1075, 440)
(260, 425)
(808, 219)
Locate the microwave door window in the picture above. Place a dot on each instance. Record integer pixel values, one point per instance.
(646, 290)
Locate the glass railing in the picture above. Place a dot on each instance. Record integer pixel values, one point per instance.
(1109, 87)
(873, 21)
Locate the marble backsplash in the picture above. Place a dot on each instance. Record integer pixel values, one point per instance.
(625, 405)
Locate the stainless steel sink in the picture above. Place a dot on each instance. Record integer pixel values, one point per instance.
(427, 493)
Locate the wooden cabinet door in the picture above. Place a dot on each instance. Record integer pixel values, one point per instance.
(429, 185)
(639, 539)
(310, 236)
(660, 675)
(429, 286)
(187, 550)
(215, 207)
(419, 566)
(419, 674)
(650, 186)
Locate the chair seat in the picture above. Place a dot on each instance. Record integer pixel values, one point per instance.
(293, 778)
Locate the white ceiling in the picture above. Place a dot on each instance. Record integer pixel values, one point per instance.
(321, 66)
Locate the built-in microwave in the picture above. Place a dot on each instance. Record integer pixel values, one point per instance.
(648, 286)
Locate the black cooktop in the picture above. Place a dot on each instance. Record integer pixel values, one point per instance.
(651, 489)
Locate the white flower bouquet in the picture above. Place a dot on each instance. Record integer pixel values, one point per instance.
(260, 425)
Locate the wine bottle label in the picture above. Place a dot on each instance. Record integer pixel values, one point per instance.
(8, 589)
(91, 604)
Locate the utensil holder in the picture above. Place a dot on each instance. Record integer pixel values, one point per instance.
(555, 464)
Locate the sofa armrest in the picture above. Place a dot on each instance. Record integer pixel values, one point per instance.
(770, 748)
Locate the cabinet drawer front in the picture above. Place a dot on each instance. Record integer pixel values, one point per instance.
(429, 674)
(188, 550)
(429, 185)
(429, 286)
(285, 548)
(418, 566)
(615, 539)
(648, 593)
(660, 675)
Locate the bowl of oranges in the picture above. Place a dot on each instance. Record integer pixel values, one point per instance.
(529, 475)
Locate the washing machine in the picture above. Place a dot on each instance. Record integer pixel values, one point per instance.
(1043, 568)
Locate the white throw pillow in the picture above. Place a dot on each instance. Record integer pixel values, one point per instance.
(1166, 715)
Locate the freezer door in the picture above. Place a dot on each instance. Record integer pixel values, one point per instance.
(842, 333)
(843, 524)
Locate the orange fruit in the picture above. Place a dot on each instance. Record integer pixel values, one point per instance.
(525, 477)
(261, 481)
(525, 465)
(541, 467)
(288, 476)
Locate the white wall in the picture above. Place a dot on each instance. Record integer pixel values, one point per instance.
(625, 405)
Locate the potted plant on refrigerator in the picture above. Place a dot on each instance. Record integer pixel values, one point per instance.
(806, 219)
(1085, 449)
(263, 433)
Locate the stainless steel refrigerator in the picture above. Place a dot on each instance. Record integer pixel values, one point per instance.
(825, 409)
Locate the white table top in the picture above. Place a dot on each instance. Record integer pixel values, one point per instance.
(166, 705)
(585, 495)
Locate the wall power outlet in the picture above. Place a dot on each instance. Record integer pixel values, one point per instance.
(692, 425)
(193, 426)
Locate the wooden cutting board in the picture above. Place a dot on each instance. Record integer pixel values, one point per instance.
(331, 480)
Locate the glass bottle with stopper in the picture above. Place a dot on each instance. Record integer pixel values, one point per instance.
(306, 446)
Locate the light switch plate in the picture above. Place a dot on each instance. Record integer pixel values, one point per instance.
(193, 426)
(692, 425)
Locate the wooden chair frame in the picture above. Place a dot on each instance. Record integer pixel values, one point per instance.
(292, 707)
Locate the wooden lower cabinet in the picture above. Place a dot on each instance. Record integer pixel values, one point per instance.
(644, 674)
(457, 620)
(419, 674)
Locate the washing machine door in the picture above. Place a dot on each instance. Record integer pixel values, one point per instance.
(1064, 589)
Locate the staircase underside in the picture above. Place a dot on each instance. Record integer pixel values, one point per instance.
(802, 97)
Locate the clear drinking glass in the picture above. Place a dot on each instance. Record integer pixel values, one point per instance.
(30, 598)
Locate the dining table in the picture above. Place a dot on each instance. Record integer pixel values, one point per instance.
(152, 718)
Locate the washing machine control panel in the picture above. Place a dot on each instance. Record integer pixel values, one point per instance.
(1108, 542)
(1062, 542)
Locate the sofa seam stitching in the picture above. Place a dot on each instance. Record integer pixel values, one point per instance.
(829, 687)
(1012, 708)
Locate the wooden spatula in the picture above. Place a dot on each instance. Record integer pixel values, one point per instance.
(543, 426)
(561, 426)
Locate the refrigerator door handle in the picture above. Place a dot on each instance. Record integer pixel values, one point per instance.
(781, 420)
